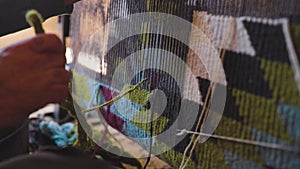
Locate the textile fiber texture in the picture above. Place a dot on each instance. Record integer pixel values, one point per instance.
(258, 42)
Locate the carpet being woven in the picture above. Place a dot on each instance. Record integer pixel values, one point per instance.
(255, 124)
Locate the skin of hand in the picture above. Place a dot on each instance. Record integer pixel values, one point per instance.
(32, 74)
(69, 2)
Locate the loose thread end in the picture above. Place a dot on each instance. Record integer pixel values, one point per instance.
(117, 97)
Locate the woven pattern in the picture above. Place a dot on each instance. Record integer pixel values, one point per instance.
(255, 46)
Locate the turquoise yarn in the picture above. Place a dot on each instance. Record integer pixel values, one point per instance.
(60, 134)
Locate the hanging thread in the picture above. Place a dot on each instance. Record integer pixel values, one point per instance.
(244, 141)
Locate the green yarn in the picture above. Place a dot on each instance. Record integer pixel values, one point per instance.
(210, 155)
(81, 86)
(295, 31)
(260, 113)
(174, 158)
(159, 122)
(282, 81)
(232, 128)
(139, 96)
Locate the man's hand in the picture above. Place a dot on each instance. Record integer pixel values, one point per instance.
(32, 74)
(69, 2)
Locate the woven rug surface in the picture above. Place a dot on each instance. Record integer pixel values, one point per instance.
(258, 44)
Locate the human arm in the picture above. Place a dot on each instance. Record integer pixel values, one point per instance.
(12, 12)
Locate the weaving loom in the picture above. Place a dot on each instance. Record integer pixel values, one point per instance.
(257, 42)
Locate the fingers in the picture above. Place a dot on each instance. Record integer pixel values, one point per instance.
(33, 75)
(51, 48)
(46, 43)
(58, 89)
(52, 61)
(57, 93)
(58, 76)
(42, 43)
(42, 51)
(52, 57)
